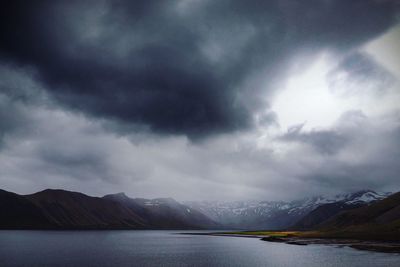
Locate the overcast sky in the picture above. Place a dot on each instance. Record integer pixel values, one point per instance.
(200, 99)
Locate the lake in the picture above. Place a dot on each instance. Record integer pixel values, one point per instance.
(167, 248)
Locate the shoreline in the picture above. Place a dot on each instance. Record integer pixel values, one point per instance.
(366, 245)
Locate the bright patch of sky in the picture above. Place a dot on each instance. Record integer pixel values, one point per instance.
(308, 97)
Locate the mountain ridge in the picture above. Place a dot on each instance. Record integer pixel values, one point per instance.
(275, 215)
(379, 220)
(62, 209)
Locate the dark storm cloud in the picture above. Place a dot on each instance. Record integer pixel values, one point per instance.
(173, 66)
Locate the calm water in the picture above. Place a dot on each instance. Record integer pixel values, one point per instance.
(166, 248)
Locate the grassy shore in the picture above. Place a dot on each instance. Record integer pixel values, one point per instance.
(381, 242)
(349, 233)
(266, 233)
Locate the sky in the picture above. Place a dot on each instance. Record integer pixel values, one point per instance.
(200, 99)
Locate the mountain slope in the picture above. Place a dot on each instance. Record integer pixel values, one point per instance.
(380, 212)
(326, 211)
(321, 214)
(60, 209)
(76, 210)
(20, 213)
(164, 212)
(379, 220)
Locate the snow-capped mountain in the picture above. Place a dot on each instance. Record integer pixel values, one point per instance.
(365, 196)
(275, 214)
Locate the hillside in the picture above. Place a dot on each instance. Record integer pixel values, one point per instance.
(18, 212)
(75, 210)
(60, 209)
(380, 212)
(164, 213)
(326, 211)
(379, 220)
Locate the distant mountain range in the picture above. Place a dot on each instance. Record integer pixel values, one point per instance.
(280, 214)
(60, 209)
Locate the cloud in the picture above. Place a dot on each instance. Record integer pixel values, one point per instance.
(357, 152)
(173, 98)
(176, 68)
(324, 141)
(359, 73)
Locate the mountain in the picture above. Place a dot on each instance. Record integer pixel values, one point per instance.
(277, 214)
(325, 211)
(380, 212)
(321, 214)
(377, 220)
(67, 209)
(18, 212)
(60, 209)
(164, 212)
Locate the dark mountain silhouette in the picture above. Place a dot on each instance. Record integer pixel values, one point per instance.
(377, 220)
(18, 212)
(357, 215)
(380, 212)
(72, 209)
(60, 209)
(322, 214)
